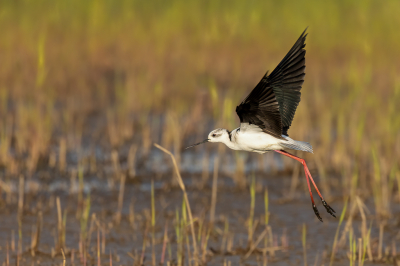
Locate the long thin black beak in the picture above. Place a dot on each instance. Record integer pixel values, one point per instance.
(204, 141)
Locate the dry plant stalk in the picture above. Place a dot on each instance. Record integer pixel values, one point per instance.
(98, 246)
(73, 184)
(251, 225)
(380, 243)
(348, 224)
(120, 199)
(115, 161)
(60, 225)
(93, 220)
(153, 224)
(103, 239)
(21, 196)
(271, 241)
(144, 245)
(36, 236)
(62, 155)
(224, 234)
(131, 160)
(62, 252)
(146, 140)
(8, 256)
(364, 231)
(182, 186)
(214, 191)
(165, 241)
(132, 214)
(255, 244)
(394, 249)
(359, 251)
(33, 158)
(32, 240)
(337, 232)
(12, 241)
(398, 185)
(304, 237)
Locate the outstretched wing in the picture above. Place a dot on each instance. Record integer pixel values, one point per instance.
(286, 81)
(271, 105)
(261, 108)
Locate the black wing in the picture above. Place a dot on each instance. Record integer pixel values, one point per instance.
(262, 109)
(273, 102)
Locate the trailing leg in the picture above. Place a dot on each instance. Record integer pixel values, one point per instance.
(308, 175)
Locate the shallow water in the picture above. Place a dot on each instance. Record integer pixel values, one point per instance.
(125, 240)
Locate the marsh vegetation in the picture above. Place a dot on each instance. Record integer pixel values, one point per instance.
(87, 88)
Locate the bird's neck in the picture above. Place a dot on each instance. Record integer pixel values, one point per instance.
(231, 141)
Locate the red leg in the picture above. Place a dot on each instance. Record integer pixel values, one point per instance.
(308, 175)
(327, 207)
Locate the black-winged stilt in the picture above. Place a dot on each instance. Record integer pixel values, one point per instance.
(267, 113)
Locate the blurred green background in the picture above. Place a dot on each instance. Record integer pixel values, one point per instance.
(89, 84)
(63, 61)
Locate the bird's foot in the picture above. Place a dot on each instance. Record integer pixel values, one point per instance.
(316, 212)
(328, 208)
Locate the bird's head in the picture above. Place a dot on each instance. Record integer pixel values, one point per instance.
(217, 135)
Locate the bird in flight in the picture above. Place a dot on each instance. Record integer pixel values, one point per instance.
(267, 113)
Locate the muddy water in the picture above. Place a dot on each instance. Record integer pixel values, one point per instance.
(125, 241)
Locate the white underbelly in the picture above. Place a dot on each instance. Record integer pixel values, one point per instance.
(257, 142)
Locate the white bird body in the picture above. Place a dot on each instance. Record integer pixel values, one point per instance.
(267, 112)
(251, 138)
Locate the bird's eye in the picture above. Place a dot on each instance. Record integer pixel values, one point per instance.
(213, 135)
